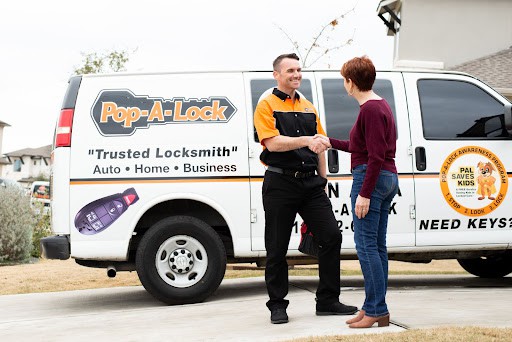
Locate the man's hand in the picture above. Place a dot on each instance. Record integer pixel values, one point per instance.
(318, 145)
(324, 139)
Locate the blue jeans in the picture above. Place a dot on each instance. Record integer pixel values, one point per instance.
(370, 238)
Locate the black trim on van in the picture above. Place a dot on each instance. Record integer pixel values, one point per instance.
(55, 247)
(72, 92)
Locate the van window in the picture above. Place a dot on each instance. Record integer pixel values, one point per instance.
(459, 110)
(258, 87)
(341, 110)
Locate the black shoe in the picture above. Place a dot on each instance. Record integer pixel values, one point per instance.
(278, 316)
(335, 308)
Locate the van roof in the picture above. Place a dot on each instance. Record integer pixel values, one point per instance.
(402, 70)
(40, 183)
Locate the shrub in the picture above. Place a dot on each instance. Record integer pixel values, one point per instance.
(16, 224)
(42, 228)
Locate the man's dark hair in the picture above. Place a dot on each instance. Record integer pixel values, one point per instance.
(278, 60)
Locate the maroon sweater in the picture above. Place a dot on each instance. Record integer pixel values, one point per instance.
(372, 142)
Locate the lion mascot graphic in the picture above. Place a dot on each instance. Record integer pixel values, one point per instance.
(486, 181)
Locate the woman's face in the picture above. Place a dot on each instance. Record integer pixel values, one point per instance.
(347, 85)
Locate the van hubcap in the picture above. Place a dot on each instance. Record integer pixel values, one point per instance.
(181, 261)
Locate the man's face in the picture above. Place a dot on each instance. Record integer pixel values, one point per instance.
(289, 75)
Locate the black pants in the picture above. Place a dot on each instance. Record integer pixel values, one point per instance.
(283, 197)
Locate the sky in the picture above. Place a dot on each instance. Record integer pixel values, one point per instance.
(43, 42)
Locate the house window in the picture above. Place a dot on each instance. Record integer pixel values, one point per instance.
(35, 162)
(17, 165)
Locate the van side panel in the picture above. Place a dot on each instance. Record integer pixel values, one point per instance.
(339, 112)
(147, 140)
(462, 195)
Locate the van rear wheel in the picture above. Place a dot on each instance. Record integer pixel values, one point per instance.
(495, 266)
(181, 260)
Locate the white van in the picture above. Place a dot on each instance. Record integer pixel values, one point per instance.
(40, 196)
(160, 173)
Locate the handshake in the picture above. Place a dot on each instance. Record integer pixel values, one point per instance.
(319, 143)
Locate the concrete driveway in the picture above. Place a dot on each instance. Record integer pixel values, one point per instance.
(237, 312)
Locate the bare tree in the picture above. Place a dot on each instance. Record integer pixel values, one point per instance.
(322, 43)
(111, 61)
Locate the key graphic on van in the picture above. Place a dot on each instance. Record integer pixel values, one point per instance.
(101, 213)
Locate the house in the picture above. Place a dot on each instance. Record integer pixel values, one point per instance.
(494, 69)
(3, 160)
(473, 36)
(445, 33)
(28, 164)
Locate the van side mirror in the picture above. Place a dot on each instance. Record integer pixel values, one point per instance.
(508, 117)
(333, 163)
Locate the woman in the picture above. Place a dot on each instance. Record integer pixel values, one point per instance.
(372, 146)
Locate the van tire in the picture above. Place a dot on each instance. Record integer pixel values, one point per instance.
(495, 266)
(198, 268)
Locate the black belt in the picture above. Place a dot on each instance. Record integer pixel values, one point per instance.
(295, 174)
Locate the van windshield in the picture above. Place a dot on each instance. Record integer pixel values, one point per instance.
(41, 191)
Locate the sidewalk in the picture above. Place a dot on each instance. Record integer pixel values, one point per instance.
(237, 312)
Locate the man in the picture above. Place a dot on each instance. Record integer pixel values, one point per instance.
(286, 125)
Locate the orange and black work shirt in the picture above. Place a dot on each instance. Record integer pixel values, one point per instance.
(278, 115)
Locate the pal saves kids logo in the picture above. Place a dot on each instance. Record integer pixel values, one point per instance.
(120, 112)
(473, 180)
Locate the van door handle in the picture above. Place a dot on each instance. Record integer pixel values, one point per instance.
(421, 158)
(333, 163)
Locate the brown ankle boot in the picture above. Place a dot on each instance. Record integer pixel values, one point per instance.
(359, 317)
(368, 322)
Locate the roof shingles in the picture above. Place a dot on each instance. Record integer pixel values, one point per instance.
(43, 151)
(495, 69)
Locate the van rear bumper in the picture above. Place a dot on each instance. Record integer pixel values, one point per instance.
(55, 247)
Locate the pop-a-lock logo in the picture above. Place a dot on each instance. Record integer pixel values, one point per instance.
(120, 112)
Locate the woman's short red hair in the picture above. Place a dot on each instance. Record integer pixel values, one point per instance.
(361, 71)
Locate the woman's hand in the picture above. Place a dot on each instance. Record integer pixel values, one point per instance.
(362, 206)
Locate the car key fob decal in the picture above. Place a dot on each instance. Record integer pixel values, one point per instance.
(101, 213)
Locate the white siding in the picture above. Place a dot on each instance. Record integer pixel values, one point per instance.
(453, 31)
